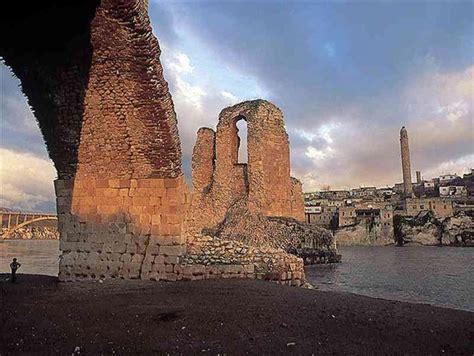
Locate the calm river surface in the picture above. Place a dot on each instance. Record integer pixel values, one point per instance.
(439, 276)
(35, 256)
(442, 276)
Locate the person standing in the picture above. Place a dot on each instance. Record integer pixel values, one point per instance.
(14, 266)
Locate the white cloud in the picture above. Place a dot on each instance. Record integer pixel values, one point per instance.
(460, 166)
(444, 97)
(180, 63)
(230, 97)
(26, 181)
(454, 111)
(190, 94)
(179, 69)
(314, 153)
(18, 116)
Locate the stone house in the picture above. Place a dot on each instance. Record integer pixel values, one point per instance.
(322, 216)
(363, 192)
(347, 216)
(447, 178)
(453, 191)
(439, 206)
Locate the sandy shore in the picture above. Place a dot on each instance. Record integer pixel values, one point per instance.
(40, 315)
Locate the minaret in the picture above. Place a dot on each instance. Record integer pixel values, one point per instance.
(408, 188)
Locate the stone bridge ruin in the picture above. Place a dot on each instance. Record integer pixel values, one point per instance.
(92, 76)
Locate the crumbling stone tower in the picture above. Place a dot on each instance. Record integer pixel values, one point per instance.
(406, 168)
(263, 185)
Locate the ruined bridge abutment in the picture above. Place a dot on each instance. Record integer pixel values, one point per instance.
(91, 72)
(93, 78)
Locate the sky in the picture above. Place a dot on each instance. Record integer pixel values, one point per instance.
(347, 76)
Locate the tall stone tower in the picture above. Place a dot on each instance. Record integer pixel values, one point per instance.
(406, 169)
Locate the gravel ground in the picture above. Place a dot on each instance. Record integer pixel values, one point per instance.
(42, 316)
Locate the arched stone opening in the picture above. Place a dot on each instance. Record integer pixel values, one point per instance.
(242, 140)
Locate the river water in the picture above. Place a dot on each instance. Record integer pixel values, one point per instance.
(442, 276)
(35, 256)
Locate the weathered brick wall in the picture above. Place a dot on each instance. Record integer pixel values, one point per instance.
(129, 127)
(297, 199)
(203, 164)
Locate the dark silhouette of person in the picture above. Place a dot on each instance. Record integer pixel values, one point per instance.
(14, 266)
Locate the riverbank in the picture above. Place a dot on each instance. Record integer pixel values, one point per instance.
(40, 315)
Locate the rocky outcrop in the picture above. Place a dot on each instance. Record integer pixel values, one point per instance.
(32, 233)
(458, 230)
(361, 235)
(427, 229)
(284, 233)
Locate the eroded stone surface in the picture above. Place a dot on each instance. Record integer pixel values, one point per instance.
(264, 183)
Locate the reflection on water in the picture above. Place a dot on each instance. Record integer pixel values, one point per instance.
(433, 275)
(35, 256)
(438, 276)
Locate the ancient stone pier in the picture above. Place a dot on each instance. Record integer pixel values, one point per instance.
(93, 78)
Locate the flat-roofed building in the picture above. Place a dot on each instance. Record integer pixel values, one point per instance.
(440, 207)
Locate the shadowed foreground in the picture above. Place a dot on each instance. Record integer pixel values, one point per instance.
(40, 315)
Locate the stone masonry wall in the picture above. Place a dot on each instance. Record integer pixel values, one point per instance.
(126, 228)
(210, 257)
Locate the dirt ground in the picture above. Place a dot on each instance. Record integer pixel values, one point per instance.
(39, 315)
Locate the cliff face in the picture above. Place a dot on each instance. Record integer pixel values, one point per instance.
(361, 235)
(458, 230)
(426, 229)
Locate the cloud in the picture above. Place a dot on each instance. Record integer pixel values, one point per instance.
(460, 166)
(190, 94)
(18, 127)
(181, 64)
(231, 98)
(26, 181)
(349, 151)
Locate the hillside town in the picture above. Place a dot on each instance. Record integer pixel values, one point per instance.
(366, 215)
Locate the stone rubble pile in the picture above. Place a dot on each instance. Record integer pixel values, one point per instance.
(285, 233)
(215, 257)
(32, 233)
